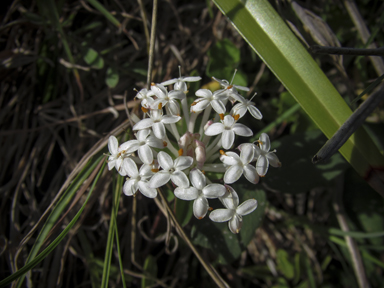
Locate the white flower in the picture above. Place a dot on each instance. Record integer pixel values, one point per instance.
(263, 156)
(115, 160)
(208, 98)
(145, 96)
(143, 144)
(156, 121)
(164, 98)
(200, 191)
(240, 165)
(228, 128)
(172, 171)
(138, 179)
(180, 82)
(229, 89)
(244, 105)
(233, 212)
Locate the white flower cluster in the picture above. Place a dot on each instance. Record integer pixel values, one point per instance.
(157, 134)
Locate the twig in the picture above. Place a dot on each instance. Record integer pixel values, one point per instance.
(353, 249)
(210, 270)
(317, 49)
(349, 127)
(152, 44)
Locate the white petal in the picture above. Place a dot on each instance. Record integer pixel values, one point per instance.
(218, 106)
(203, 93)
(174, 107)
(111, 162)
(239, 109)
(266, 144)
(221, 215)
(175, 94)
(242, 130)
(246, 154)
(169, 82)
(143, 124)
(165, 160)
(262, 165)
(230, 199)
(228, 121)
(200, 105)
(159, 130)
(146, 190)
(227, 139)
(230, 158)
(159, 179)
(273, 160)
(130, 187)
(170, 119)
(191, 78)
(155, 142)
(146, 171)
(247, 207)
(250, 173)
(145, 154)
(112, 144)
(212, 191)
(129, 146)
(159, 90)
(235, 224)
(214, 129)
(130, 168)
(200, 207)
(183, 162)
(255, 112)
(179, 179)
(197, 179)
(188, 194)
(233, 174)
(180, 86)
(143, 134)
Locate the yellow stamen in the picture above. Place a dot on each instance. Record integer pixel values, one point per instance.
(236, 117)
(145, 110)
(153, 84)
(160, 106)
(221, 116)
(210, 208)
(165, 144)
(181, 152)
(222, 152)
(194, 103)
(229, 87)
(155, 170)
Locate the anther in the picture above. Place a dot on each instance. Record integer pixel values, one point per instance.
(155, 170)
(145, 110)
(221, 116)
(222, 152)
(153, 84)
(236, 117)
(160, 106)
(165, 144)
(181, 151)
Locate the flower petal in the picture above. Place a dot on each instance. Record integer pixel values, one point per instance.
(255, 112)
(197, 178)
(265, 144)
(273, 160)
(230, 199)
(227, 139)
(200, 105)
(174, 107)
(246, 154)
(146, 190)
(179, 179)
(158, 130)
(188, 194)
(233, 174)
(129, 146)
(242, 130)
(205, 93)
(214, 129)
(239, 109)
(247, 207)
(169, 82)
(250, 174)
(183, 162)
(143, 124)
(262, 165)
(155, 142)
(230, 158)
(200, 207)
(228, 121)
(130, 187)
(235, 224)
(142, 134)
(191, 78)
(212, 191)
(159, 179)
(176, 94)
(218, 106)
(221, 215)
(145, 154)
(165, 160)
(112, 144)
(130, 168)
(170, 119)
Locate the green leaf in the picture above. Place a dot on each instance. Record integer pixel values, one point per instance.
(284, 264)
(93, 58)
(298, 174)
(112, 77)
(217, 236)
(273, 41)
(184, 211)
(150, 266)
